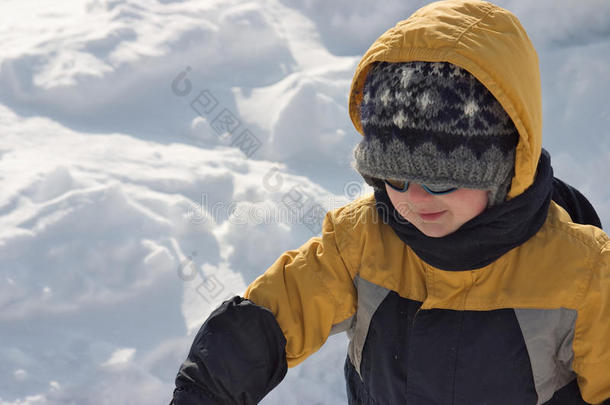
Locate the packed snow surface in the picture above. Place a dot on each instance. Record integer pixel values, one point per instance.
(156, 156)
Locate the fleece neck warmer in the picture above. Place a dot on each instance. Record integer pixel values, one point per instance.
(484, 238)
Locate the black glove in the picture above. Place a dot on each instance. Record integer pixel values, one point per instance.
(237, 357)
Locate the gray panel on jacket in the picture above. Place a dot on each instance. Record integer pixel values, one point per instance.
(548, 335)
(370, 297)
(342, 326)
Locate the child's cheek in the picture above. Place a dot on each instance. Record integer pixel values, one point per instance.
(469, 203)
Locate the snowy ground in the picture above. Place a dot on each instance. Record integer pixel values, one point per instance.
(153, 155)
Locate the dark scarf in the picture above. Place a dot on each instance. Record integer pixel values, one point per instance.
(484, 238)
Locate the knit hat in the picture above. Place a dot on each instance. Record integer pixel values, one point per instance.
(436, 124)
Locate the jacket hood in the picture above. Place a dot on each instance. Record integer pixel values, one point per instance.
(490, 43)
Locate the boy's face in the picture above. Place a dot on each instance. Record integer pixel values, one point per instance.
(438, 215)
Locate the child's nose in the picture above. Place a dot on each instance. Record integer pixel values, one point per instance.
(416, 193)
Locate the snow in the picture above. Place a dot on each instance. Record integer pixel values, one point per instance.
(152, 153)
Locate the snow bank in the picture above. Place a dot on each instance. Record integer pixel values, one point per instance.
(157, 156)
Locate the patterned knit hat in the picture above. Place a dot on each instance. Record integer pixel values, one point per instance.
(434, 123)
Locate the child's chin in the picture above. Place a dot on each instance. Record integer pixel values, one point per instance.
(435, 231)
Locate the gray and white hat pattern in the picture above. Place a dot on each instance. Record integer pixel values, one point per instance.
(434, 123)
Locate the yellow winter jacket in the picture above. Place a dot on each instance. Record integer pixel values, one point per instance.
(564, 265)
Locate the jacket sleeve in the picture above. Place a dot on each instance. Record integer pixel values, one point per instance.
(592, 332)
(243, 349)
(311, 289)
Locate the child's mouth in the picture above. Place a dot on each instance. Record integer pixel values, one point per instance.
(431, 216)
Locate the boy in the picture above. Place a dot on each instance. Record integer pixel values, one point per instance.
(461, 280)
